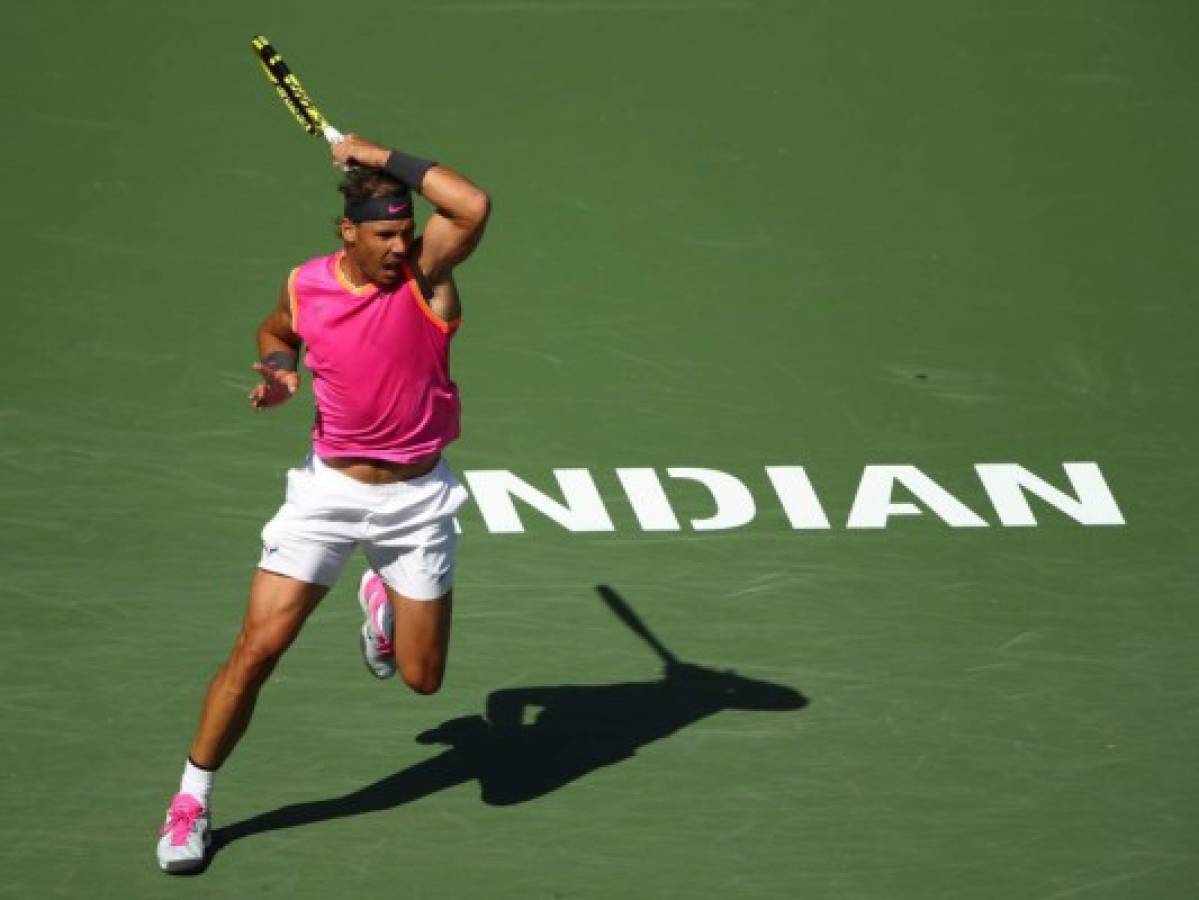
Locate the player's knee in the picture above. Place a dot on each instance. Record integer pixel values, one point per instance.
(256, 654)
(423, 678)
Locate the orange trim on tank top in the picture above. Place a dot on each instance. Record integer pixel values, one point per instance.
(442, 324)
(293, 302)
(344, 281)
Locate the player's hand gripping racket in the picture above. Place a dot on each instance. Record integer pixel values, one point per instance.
(292, 92)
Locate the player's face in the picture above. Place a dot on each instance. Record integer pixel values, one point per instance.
(379, 248)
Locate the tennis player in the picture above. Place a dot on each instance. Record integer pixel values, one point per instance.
(377, 318)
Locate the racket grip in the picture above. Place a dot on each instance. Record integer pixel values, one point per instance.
(333, 136)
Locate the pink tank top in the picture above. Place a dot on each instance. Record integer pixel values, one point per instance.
(380, 365)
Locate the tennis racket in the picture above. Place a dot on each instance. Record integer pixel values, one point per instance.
(294, 97)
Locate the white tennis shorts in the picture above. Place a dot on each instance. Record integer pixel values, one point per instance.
(405, 528)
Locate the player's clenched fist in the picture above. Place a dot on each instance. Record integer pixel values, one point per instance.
(354, 150)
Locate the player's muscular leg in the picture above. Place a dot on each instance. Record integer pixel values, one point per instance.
(422, 637)
(276, 611)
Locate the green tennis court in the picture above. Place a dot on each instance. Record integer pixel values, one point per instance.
(848, 346)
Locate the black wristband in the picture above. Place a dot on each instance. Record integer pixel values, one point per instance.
(281, 359)
(409, 169)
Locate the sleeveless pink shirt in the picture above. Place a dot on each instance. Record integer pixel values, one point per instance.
(380, 365)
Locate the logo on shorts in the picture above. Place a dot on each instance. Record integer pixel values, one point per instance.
(268, 549)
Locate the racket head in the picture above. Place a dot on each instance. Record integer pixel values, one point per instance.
(288, 86)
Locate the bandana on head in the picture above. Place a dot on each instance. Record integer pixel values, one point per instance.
(380, 209)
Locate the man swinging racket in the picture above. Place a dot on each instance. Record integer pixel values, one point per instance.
(377, 318)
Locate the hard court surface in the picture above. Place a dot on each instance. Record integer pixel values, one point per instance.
(728, 234)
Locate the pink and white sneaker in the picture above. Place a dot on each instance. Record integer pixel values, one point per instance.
(185, 836)
(377, 650)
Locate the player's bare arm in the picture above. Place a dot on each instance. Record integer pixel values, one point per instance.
(456, 226)
(278, 354)
(461, 210)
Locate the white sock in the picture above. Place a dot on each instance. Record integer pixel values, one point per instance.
(197, 782)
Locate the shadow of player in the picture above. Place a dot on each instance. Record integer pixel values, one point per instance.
(534, 740)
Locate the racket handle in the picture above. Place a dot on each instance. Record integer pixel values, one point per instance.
(333, 136)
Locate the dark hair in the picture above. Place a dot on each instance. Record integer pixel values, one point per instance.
(366, 184)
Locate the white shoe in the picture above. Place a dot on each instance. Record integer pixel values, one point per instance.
(377, 650)
(185, 836)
